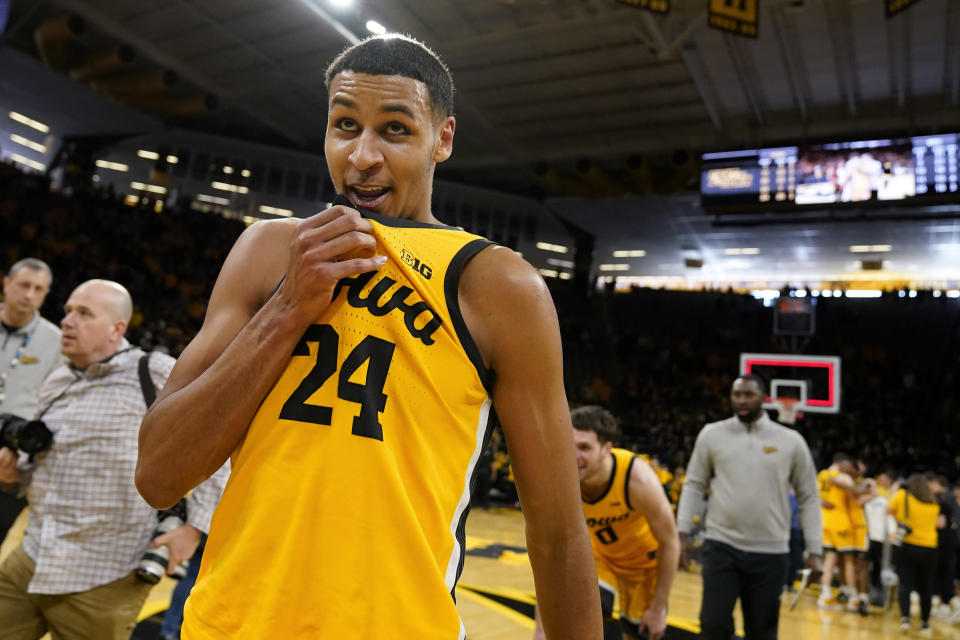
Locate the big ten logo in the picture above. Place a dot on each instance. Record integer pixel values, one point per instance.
(415, 264)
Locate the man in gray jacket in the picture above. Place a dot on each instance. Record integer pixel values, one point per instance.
(749, 462)
(29, 351)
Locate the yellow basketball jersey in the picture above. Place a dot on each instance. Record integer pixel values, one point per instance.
(837, 518)
(344, 514)
(619, 534)
(858, 519)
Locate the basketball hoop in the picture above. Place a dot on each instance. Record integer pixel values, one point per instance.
(787, 410)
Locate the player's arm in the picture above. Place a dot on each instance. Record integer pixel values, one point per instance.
(844, 481)
(511, 316)
(249, 332)
(647, 497)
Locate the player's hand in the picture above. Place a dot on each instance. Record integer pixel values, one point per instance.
(8, 466)
(183, 542)
(654, 621)
(333, 244)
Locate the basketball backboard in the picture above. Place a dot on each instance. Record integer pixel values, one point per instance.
(813, 380)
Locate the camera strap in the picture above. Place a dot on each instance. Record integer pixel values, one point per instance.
(146, 382)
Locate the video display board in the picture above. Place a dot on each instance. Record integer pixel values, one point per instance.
(919, 169)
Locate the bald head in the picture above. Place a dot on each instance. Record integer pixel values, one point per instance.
(96, 317)
(116, 299)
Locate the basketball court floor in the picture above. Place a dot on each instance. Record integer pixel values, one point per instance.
(495, 595)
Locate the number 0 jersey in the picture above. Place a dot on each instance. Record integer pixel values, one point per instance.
(620, 535)
(838, 518)
(344, 514)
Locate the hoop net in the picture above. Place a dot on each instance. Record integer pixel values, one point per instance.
(788, 410)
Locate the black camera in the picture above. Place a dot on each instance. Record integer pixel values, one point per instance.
(29, 436)
(903, 530)
(153, 564)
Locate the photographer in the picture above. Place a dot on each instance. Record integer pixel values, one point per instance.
(88, 529)
(918, 517)
(29, 351)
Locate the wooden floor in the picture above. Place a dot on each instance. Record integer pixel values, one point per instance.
(493, 591)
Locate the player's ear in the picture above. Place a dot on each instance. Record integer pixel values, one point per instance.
(444, 146)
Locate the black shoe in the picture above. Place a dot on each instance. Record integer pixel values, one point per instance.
(863, 609)
(842, 597)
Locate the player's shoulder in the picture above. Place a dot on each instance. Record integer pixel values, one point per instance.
(497, 279)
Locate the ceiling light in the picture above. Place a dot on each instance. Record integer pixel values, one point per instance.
(152, 188)
(275, 210)
(226, 186)
(33, 164)
(245, 173)
(614, 267)
(953, 293)
(115, 166)
(633, 253)
(30, 122)
(548, 273)
(870, 248)
(864, 293)
(149, 155)
(556, 262)
(212, 199)
(375, 27)
(28, 143)
(172, 159)
(556, 248)
(745, 251)
(341, 4)
(564, 275)
(228, 169)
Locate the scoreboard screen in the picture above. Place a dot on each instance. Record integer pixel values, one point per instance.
(918, 169)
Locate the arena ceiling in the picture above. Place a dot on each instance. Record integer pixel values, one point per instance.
(554, 96)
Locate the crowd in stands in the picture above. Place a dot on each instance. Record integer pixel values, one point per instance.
(662, 361)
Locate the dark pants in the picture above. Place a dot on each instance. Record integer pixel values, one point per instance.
(796, 557)
(875, 553)
(946, 570)
(173, 618)
(916, 567)
(10, 508)
(755, 578)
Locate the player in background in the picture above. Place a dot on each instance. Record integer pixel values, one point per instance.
(632, 529)
(836, 483)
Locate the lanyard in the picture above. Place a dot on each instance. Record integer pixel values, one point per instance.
(13, 364)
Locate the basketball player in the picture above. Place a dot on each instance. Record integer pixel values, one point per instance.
(864, 491)
(349, 364)
(836, 487)
(634, 537)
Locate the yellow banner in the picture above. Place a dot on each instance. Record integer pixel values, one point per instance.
(896, 6)
(657, 6)
(735, 16)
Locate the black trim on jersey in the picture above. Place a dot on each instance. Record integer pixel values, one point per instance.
(451, 288)
(462, 525)
(391, 221)
(626, 483)
(613, 474)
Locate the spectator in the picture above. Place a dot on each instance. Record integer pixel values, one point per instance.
(73, 574)
(29, 351)
(918, 517)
